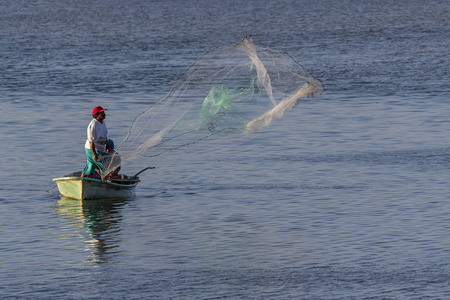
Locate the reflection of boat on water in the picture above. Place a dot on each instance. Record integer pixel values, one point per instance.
(74, 186)
(96, 221)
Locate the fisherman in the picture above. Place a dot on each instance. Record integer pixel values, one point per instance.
(99, 150)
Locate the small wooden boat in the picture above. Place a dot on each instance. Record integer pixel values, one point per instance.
(82, 188)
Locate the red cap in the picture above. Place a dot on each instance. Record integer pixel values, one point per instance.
(97, 109)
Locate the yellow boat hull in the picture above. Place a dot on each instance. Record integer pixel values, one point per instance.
(84, 188)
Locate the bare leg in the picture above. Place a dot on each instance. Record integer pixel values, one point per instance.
(115, 172)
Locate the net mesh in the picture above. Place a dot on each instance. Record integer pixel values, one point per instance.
(237, 89)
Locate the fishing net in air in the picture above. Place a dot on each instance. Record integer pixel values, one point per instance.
(237, 89)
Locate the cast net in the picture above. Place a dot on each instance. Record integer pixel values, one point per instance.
(233, 90)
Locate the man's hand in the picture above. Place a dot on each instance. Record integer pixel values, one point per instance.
(108, 148)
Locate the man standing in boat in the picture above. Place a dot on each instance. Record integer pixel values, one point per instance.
(98, 148)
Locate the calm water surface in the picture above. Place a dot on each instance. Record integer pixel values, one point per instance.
(346, 197)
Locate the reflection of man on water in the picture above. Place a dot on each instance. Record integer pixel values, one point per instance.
(96, 221)
(101, 223)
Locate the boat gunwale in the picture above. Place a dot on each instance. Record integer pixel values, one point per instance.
(75, 178)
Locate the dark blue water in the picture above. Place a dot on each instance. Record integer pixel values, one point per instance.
(346, 197)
